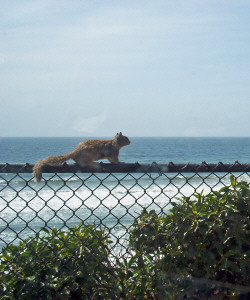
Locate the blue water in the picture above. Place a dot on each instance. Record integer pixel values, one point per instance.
(142, 150)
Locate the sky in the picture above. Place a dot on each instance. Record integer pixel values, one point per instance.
(144, 68)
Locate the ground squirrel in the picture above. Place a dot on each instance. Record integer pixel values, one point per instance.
(86, 153)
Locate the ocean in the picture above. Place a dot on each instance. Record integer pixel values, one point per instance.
(113, 201)
(141, 149)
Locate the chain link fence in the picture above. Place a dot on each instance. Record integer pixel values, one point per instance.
(107, 198)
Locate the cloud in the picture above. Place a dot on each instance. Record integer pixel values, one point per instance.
(89, 125)
(2, 59)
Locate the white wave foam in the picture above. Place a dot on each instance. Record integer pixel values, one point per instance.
(88, 202)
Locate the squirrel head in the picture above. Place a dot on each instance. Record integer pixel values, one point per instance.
(121, 140)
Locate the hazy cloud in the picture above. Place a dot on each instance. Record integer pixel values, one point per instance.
(90, 124)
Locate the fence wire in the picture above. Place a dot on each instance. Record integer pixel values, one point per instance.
(108, 198)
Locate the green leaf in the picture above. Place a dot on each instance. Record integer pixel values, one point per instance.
(233, 181)
(225, 189)
(44, 229)
(194, 209)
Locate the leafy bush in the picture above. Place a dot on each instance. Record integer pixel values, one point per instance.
(200, 249)
(72, 264)
(202, 238)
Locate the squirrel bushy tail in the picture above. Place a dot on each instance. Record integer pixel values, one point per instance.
(37, 170)
(49, 161)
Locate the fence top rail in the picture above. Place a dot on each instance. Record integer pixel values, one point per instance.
(132, 168)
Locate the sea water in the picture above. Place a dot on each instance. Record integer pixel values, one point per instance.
(110, 200)
(143, 150)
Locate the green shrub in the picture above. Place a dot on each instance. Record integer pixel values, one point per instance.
(200, 249)
(202, 238)
(72, 264)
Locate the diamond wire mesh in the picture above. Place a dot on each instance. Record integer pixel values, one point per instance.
(110, 201)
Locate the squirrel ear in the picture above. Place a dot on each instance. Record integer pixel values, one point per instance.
(120, 133)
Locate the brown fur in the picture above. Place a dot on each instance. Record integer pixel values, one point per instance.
(86, 153)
